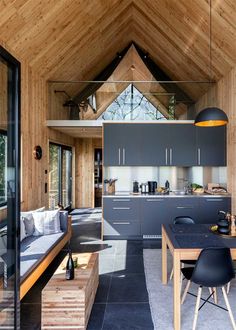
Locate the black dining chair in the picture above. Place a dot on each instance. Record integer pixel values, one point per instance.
(183, 220)
(214, 268)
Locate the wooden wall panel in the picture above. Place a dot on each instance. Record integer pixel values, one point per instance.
(223, 95)
(84, 171)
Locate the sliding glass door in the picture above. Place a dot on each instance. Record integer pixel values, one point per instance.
(60, 176)
(9, 190)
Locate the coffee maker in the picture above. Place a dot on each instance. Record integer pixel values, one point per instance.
(152, 186)
(135, 187)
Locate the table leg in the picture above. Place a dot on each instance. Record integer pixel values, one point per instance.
(177, 298)
(164, 259)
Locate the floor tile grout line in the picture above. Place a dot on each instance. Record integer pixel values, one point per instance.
(107, 297)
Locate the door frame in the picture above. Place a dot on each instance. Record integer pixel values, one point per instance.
(69, 148)
(13, 164)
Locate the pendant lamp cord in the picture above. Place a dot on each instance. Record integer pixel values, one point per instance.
(210, 43)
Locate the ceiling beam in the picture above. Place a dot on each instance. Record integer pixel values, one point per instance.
(91, 88)
(160, 75)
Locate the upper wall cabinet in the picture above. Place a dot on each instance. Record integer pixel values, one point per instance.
(211, 146)
(163, 145)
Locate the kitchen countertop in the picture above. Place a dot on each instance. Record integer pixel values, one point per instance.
(171, 194)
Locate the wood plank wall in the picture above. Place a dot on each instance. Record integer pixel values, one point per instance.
(84, 171)
(223, 95)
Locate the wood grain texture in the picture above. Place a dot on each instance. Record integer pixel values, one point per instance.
(223, 95)
(76, 40)
(68, 304)
(38, 271)
(84, 171)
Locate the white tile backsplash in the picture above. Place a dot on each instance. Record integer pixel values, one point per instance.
(177, 176)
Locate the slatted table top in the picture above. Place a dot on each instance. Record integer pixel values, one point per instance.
(86, 263)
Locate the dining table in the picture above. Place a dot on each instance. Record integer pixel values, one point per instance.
(185, 242)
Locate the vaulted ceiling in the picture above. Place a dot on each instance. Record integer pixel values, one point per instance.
(76, 39)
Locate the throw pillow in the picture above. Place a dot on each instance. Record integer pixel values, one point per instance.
(52, 222)
(29, 220)
(38, 218)
(22, 229)
(46, 223)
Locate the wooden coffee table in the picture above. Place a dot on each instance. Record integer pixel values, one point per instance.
(67, 304)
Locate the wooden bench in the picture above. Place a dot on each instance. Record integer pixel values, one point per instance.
(38, 271)
(68, 303)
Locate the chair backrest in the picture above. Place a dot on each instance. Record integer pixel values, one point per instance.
(214, 267)
(183, 221)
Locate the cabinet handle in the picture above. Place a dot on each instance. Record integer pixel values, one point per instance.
(119, 155)
(214, 200)
(154, 200)
(184, 207)
(121, 223)
(121, 208)
(123, 156)
(170, 156)
(121, 200)
(166, 156)
(199, 156)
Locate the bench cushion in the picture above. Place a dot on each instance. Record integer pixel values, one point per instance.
(34, 249)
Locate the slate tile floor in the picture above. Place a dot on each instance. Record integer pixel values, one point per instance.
(121, 301)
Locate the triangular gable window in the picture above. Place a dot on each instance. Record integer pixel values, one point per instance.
(131, 105)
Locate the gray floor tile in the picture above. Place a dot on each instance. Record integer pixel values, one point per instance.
(128, 317)
(128, 288)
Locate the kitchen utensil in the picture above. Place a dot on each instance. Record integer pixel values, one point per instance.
(152, 186)
(144, 188)
(135, 187)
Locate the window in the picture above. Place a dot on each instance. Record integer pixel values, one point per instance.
(131, 104)
(3, 168)
(60, 180)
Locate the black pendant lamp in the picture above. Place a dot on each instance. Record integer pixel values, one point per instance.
(210, 117)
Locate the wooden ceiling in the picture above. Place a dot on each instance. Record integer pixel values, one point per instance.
(75, 40)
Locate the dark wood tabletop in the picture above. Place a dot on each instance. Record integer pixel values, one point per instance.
(196, 236)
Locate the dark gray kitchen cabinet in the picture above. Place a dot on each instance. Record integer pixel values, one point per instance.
(183, 207)
(182, 145)
(112, 145)
(209, 208)
(153, 144)
(211, 146)
(154, 213)
(121, 217)
(121, 208)
(164, 145)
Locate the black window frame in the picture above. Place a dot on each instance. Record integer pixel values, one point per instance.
(60, 162)
(2, 132)
(13, 162)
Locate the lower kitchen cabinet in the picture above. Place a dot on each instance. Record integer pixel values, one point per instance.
(121, 217)
(209, 208)
(154, 212)
(144, 216)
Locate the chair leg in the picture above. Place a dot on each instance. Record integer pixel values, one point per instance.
(185, 291)
(171, 274)
(215, 296)
(197, 307)
(228, 288)
(229, 308)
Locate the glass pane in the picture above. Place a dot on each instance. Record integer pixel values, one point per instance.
(3, 168)
(9, 208)
(66, 177)
(54, 176)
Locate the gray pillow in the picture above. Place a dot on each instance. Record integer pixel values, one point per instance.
(29, 224)
(46, 223)
(29, 221)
